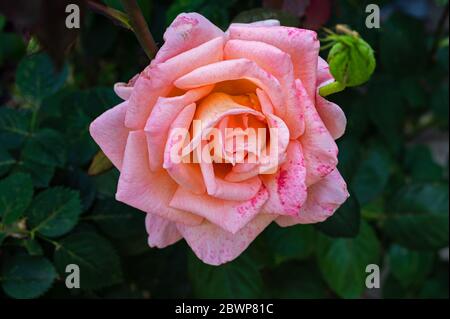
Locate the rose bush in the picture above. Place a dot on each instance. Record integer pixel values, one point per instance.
(252, 75)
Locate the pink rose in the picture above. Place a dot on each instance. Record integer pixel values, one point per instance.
(258, 75)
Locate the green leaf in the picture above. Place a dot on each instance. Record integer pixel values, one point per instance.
(372, 175)
(419, 162)
(287, 243)
(37, 77)
(40, 174)
(26, 277)
(46, 147)
(118, 220)
(410, 268)
(237, 279)
(16, 192)
(54, 212)
(14, 127)
(351, 60)
(32, 246)
(11, 46)
(343, 262)
(418, 217)
(6, 161)
(286, 18)
(97, 259)
(345, 222)
(439, 103)
(295, 280)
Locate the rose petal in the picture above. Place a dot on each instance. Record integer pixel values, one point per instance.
(332, 116)
(287, 188)
(163, 114)
(233, 70)
(148, 191)
(279, 64)
(302, 45)
(109, 132)
(187, 31)
(161, 232)
(229, 215)
(324, 198)
(157, 80)
(323, 73)
(215, 246)
(319, 148)
(187, 175)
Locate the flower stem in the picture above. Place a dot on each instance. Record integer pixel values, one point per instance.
(140, 27)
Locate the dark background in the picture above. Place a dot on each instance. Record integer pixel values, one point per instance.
(394, 156)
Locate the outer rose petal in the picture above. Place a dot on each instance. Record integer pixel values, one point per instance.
(109, 132)
(157, 80)
(332, 116)
(302, 45)
(323, 73)
(319, 147)
(324, 198)
(161, 232)
(187, 31)
(146, 190)
(216, 246)
(287, 189)
(228, 215)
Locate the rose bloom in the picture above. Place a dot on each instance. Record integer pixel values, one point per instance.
(258, 75)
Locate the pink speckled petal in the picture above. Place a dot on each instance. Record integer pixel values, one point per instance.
(157, 80)
(228, 215)
(332, 116)
(146, 190)
(161, 232)
(323, 73)
(324, 198)
(163, 114)
(319, 148)
(216, 246)
(279, 64)
(287, 188)
(233, 70)
(187, 31)
(302, 45)
(109, 132)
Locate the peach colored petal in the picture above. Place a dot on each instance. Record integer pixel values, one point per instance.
(233, 70)
(229, 215)
(302, 45)
(319, 148)
(187, 175)
(163, 114)
(279, 64)
(287, 188)
(161, 232)
(109, 132)
(187, 31)
(148, 191)
(324, 198)
(332, 116)
(157, 80)
(216, 246)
